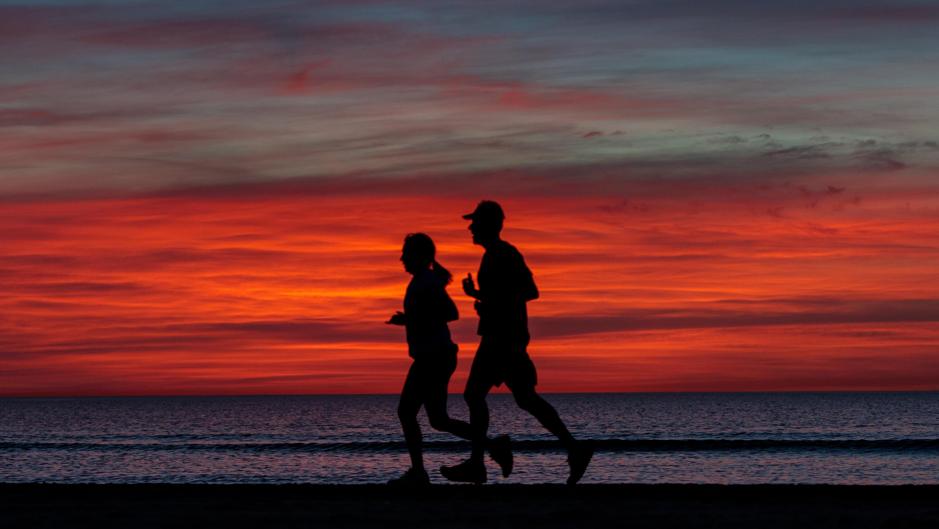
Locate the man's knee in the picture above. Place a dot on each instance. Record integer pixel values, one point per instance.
(474, 396)
(526, 398)
(406, 413)
(473, 400)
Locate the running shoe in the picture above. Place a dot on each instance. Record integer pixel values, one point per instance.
(412, 478)
(578, 459)
(468, 471)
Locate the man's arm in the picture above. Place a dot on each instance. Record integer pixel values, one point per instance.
(525, 280)
(529, 290)
(469, 287)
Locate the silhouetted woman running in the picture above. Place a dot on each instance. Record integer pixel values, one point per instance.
(427, 310)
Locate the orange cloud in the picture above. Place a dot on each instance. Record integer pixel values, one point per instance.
(285, 289)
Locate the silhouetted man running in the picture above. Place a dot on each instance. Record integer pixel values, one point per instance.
(505, 286)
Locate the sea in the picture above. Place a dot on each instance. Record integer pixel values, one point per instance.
(722, 438)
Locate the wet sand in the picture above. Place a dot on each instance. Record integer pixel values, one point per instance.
(442, 506)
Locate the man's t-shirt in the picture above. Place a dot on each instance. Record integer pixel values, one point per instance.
(505, 285)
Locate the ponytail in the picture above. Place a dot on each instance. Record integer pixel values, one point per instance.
(441, 272)
(420, 246)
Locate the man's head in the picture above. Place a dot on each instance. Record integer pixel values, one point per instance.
(486, 222)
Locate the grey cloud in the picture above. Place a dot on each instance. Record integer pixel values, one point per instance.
(871, 154)
(804, 152)
(801, 312)
(728, 140)
(888, 156)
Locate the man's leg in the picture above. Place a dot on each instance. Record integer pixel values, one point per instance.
(521, 379)
(499, 448)
(435, 402)
(477, 388)
(478, 385)
(529, 400)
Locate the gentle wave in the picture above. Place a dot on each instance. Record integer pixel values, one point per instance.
(603, 445)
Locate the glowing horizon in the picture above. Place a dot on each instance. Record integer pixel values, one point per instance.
(231, 293)
(210, 199)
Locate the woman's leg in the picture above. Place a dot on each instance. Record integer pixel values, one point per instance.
(435, 402)
(408, 406)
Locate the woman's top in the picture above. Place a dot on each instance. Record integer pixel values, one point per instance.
(427, 309)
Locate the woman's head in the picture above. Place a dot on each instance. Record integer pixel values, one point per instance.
(419, 253)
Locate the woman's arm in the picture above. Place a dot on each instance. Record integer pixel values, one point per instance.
(448, 308)
(398, 318)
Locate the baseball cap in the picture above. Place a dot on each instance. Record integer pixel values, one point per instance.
(486, 210)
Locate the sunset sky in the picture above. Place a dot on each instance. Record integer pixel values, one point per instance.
(209, 197)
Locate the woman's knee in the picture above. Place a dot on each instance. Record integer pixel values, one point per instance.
(439, 422)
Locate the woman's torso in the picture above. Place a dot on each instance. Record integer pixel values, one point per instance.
(428, 308)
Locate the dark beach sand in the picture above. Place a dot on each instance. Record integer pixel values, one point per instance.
(517, 506)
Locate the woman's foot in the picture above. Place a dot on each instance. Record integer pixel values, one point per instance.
(500, 450)
(414, 477)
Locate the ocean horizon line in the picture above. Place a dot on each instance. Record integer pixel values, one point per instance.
(459, 394)
(611, 445)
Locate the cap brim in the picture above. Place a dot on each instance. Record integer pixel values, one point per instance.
(468, 216)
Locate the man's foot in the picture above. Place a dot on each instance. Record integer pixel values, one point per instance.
(468, 471)
(500, 450)
(578, 459)
(412, 478)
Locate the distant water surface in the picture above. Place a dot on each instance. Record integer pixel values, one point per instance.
(839, 438)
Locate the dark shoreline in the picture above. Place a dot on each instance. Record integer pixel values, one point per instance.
(443, 506)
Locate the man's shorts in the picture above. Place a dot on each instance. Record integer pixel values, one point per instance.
(501, 360)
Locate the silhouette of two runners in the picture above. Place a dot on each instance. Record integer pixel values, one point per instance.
(506, 285)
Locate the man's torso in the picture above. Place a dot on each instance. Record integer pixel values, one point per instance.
(503, 278)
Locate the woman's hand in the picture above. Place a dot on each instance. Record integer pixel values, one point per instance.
(397, 319)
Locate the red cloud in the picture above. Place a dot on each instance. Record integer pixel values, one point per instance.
(284, 288)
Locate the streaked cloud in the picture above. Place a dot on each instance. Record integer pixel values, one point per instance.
(210, 197)
(288, 284)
